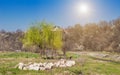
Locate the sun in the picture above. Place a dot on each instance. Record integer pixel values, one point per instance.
(83, 8)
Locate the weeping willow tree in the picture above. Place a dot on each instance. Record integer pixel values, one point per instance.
(43, 35)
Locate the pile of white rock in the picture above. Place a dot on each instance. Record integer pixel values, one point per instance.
(46, 66)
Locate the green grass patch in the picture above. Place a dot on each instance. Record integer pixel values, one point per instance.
(19, 55)
(84, 65)
(73, 55)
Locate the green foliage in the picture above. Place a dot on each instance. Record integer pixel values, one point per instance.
(44, 36)
(57, 40)
(32, 36)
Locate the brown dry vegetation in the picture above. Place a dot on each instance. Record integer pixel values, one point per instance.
(102, 36)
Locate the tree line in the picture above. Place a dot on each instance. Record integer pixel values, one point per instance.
(102, 36)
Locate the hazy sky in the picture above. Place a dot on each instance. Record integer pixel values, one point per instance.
(20, 14)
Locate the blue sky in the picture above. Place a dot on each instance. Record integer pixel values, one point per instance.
(20, 14)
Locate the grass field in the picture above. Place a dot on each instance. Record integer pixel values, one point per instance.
(84, 64)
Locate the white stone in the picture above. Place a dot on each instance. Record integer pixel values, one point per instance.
(62, 65)
(42, 68)
(36, 68)
(70, 63)
(25, 68)
(62, 61)
(46, 66)
(33, 67)
(35, 64)
(56, 64)
(40, 64)
(20, 66)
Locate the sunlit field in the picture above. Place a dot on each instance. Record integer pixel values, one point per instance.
(59, 37)
(84, 65)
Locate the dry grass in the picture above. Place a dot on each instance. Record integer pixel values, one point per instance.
(84, 65)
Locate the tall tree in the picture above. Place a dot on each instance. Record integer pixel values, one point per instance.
(44, 35)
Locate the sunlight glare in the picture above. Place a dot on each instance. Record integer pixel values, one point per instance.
(83, 8)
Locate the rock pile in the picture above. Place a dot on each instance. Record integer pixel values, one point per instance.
(46, 66)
